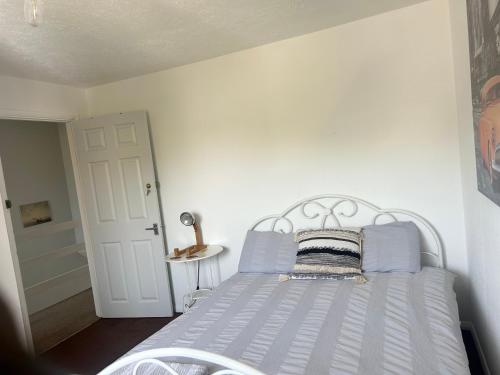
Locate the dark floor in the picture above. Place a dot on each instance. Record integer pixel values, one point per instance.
(100, 344)
(92, 349)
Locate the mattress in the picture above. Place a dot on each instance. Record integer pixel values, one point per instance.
(396, 323)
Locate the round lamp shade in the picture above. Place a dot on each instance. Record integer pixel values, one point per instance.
(187, 218)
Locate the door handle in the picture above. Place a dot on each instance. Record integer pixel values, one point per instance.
(154, 228)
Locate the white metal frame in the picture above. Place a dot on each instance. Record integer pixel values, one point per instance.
(339, 207)
(191, 265)
(229, 366)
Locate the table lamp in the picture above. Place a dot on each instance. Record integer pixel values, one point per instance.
(188, 219)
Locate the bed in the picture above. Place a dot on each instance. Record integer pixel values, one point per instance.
(395, 323)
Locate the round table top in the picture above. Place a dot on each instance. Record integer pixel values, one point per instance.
(210, 251)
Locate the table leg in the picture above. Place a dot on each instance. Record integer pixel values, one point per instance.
(190, 286)
(211, 265)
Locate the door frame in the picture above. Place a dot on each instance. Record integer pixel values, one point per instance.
(66, 120)
(11, 244)
(83, 217)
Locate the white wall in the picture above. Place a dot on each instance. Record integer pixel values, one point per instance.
(367, 109)
(482, 215)
(34, 171)
(35, 100)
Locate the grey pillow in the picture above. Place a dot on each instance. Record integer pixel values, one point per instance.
(391, 247)
(268, 252)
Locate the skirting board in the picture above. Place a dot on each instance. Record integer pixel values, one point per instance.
(49, 292)
(468, 326)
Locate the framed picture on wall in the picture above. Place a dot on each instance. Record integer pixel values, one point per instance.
(484, 48)
(35, 213)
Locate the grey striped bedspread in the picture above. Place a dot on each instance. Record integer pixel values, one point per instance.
(396, 323)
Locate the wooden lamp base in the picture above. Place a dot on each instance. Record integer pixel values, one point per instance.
(193, 249)
(190, 250)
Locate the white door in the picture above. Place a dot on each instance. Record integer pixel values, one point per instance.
(118, 185)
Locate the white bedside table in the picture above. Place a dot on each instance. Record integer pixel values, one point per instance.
(210, 253)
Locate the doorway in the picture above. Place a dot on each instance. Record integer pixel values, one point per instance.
(43, 205)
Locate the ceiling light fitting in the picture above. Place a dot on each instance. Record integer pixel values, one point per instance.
(33, 11)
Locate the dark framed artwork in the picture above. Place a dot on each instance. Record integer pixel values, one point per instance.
(484, 49)
(35, 213)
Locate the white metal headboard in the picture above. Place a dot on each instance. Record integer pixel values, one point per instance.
(151, 357)
(342, 210)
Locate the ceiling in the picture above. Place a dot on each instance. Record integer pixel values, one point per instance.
(90, 42)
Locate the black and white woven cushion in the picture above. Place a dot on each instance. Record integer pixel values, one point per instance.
(328, 254)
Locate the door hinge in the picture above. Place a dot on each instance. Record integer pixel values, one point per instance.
(8, 204)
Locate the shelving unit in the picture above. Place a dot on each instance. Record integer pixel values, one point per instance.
(60, 285)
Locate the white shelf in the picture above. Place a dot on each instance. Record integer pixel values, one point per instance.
(57, 253)
(47, 229)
